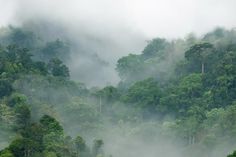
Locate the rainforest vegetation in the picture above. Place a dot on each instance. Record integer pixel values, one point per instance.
(179, 93)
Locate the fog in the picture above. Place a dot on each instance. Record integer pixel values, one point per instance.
(103, 31)
(99, 33)
(169, 18)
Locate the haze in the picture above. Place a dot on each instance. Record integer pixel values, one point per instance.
(112, 29)
(169, 18)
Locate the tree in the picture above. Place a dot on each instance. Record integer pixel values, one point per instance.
(23, 147)
(49, 154)
(224, 79)
(19, 56)
(129, 67)
(16, 99)
(145, 95)
(109, 94)
(232, 155)
(23, 116)
(80, 145)
(97, 148)
(156, 47)
(105, 97)
(41, 67)
(57, 68)
(178, 98)
(5, 88)
(35, 133)
(57, 49)
(198, 54)
(6, 153)
(191, 86)
(50, 125)
(7, 118)
(22, 37)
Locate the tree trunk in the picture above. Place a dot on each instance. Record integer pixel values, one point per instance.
(100, 104)
(189, 140)
(203, 68)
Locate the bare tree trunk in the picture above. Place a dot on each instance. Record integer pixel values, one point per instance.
(100, 104)
(28, 153)
(189, 140)
(203, 68)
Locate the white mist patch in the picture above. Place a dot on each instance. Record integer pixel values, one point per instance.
(138, 140)
(163, 18)
(7, 12)
(111, 29)
(137, 147)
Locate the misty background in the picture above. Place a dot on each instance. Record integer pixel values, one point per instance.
(100, 32)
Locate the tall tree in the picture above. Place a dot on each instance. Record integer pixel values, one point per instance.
(198, 54)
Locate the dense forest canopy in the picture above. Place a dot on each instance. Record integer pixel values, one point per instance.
(175, 98)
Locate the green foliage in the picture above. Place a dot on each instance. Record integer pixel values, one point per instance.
(198, 56)
(232, 155)
(22, 116)
(16, 99)
(57, 68)
(50, 125)
(225, 79)
(80, 144)
(6, 153)
(16, 61)
(54, 49)
(129, 66)
(97, 148)
(5, 88)
(156, 47)
(50, 154)
(23, 147)
(109, 94)
(7, 114)
(145, 94)
(189, 85)
(19, 36)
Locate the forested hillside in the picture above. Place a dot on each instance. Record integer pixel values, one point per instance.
(176, 98)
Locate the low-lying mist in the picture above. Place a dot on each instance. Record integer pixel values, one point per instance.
(152, 140)
(93, 53)
(100, 32)
(116, 114)
(128, 137)
(143, 97)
